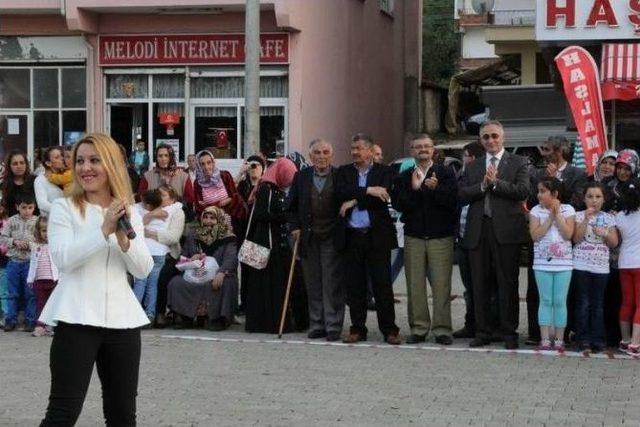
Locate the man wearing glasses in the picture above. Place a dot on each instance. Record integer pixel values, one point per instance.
(495, 186)
(427, 197)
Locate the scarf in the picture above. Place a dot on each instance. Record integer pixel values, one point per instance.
(215, 180)
(212, 233)
(609, 153)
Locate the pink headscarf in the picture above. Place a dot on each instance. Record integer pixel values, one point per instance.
(280, 173)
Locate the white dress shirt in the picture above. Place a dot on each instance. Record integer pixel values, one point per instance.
(92, 287)
(488, 157)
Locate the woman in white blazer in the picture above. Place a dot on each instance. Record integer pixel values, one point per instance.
(96, 314)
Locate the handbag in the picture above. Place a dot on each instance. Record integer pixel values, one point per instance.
(251, 253)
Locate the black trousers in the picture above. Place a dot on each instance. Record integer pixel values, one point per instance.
(167, 273)
(116, 354)
(504, 258)
(363, 261)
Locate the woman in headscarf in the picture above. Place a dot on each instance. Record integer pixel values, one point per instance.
(215, 187)
(606, 166)
(166, 171)
(266, 287)
(250, 176)
(626, 169)
(212, 238)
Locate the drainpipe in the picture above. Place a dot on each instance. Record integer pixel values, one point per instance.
(252, 78)
(90, 86)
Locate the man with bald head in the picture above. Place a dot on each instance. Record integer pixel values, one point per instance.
(313, 214)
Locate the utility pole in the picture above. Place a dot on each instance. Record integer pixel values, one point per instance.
(252, 78)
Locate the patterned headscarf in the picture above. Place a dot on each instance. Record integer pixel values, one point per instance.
(215, 180)
(172, 167)
(630, 158)
(607, 154)
(211, 233)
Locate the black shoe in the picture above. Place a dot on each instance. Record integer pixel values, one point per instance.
(497, 338)
(29, 328)
(333, 336)
(9, 327)
(596, 348)
(317, 333)
(464, 333)
(511, 344)
(479, 342)
(444, 340)
(216, 325)
(415, 339)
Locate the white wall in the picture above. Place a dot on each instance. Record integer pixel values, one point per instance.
(474, 44)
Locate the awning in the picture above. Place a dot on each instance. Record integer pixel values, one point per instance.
(494, 74)
(620, 71)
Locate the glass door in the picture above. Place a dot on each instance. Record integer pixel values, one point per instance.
(15, 133)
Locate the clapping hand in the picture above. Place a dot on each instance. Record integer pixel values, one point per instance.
(552, 170)
(432, 182)
(379, 192)
(416, 179)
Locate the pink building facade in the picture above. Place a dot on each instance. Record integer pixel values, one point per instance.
(173, 72)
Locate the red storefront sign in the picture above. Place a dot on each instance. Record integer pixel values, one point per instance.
(582, 89)
(189, 49)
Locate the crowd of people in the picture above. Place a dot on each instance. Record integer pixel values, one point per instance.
(578, 235)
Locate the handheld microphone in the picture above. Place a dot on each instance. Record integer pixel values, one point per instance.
(125, 225)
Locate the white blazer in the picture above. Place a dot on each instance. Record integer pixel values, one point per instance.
(92, 286)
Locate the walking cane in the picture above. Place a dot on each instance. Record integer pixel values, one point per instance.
(286, 295)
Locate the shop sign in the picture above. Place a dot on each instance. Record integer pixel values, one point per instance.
(587, 19)
(189, 49)
(579, 74)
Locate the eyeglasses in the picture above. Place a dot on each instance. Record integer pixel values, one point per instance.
(488, 136)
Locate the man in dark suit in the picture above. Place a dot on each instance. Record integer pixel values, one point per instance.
(556, 153)
(363, 188)
(495, 186)
(313, 213)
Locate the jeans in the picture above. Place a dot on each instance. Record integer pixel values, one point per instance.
(17, 272)
(74, 351)
(146, 290)
(4, 292)
(589, 311)
(553, 287)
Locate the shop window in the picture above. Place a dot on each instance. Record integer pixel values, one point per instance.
(74, 125)
(233, 87)
(169, 132)
(168, 86)
(15, 88)
(127, 86)
(217, 128)
(272, 138)
(46, 129)
(73, 88)
(45, 88)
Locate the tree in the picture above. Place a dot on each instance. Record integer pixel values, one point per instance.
(440, 41)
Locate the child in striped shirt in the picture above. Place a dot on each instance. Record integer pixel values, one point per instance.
(43, 274)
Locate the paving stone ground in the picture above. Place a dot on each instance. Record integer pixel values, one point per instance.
(201, 378)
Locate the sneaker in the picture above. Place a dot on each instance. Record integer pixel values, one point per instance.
(48, 331)
(624, 345)
(29, 328)
(9, 327)
(558, 346)
(633, 350)
(545, 345)
(39, 331)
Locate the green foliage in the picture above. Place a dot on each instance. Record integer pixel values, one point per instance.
(441, 41)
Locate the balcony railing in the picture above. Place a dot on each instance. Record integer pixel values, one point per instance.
(511, 18)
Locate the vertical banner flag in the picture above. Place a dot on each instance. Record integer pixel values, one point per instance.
(582, 89)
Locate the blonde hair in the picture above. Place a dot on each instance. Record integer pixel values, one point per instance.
(113, 163)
